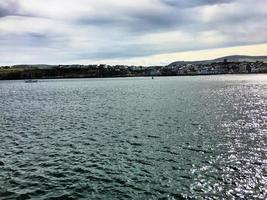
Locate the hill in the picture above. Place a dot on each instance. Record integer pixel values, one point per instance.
(233, 58)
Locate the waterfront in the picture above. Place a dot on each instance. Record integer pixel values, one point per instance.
(212, 67)
(134, 138)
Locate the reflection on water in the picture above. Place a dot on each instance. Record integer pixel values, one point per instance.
(134, 138)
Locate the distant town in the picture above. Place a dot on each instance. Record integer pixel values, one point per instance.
(226, 65)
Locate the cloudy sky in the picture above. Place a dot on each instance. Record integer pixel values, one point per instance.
(143, 32)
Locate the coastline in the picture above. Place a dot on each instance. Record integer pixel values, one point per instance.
(137, 76)
(25, 72)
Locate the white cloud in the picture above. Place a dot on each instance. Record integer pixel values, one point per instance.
(54, 31)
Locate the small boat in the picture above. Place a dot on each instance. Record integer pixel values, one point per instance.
(31, 81)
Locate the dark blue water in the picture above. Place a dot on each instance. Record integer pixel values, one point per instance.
(199, 137)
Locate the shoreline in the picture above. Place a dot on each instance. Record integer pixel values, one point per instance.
(141, 76)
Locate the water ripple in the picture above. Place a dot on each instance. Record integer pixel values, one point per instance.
(170, 138)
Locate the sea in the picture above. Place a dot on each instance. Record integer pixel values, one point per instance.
(168, 138)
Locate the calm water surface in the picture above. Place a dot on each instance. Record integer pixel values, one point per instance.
(199, 137)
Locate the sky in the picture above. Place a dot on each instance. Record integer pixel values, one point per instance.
(132, 32)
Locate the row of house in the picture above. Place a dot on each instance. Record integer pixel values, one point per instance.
(212, 68)
(174, 69)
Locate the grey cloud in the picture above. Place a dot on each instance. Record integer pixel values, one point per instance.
(116, 33)
(8, 7)
(134, 50)
(25, 40)
(180, 14)
(141, 21)
(120, 51)
(193, 3)
(150, 22)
